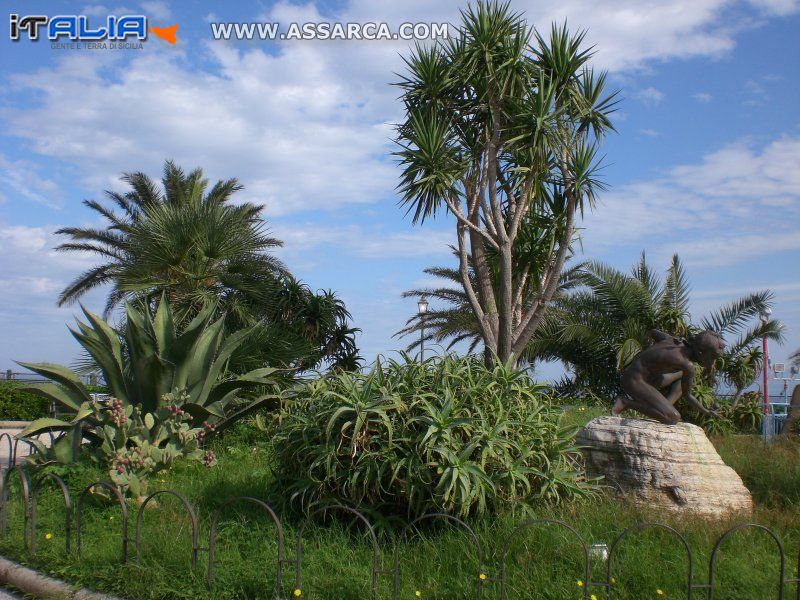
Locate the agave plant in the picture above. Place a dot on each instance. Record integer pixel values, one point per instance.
(151, 362)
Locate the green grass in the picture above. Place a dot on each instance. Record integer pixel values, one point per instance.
(439, 563)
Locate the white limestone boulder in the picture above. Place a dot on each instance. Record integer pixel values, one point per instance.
(672, 466)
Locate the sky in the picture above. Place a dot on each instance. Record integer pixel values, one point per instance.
(705, 161)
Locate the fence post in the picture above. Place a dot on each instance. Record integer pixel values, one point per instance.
(9, 374)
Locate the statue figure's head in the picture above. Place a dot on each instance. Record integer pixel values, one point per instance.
(707, 346)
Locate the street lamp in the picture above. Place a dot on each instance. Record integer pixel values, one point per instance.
(422, 305)
(765, 315)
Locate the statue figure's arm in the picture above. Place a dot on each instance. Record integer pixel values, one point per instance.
(659, 336)
(686, 388)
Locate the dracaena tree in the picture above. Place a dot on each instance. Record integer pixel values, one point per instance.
(501, 132)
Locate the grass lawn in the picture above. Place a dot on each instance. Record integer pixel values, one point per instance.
(440, 563)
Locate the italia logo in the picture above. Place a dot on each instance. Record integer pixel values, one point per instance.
(79, 29)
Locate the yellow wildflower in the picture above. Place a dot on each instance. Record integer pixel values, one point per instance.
(580, 583)
(297, 592)
(660, 592)
(482, 576)
(418, 594)
(613, 581)
(593, 597)
(48, 536)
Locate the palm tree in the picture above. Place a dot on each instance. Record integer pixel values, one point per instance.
(196, 247)
(739, 370)
(600, 328)
(599, 320)
(183, 240)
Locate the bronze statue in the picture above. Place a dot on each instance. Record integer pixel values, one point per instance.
(668, 362)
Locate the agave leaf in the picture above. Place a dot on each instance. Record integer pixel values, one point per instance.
(184, 346)
(102, 355)
(251, 380)
(201, 360)
(84, 411)
(61, 394)
(233, 417)
(228, 347)
(61, 375)
(163, 326)
(38, 445)
(110, 362)
(64, 447)
(44, 425)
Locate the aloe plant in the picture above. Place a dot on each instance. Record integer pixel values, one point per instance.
(149, 361)
(448, 435)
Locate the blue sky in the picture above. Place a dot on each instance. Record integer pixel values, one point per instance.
(706, 161)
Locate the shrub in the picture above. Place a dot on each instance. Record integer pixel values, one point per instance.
(130, 445)
(16, 404)
(744, 417)
(448, 435)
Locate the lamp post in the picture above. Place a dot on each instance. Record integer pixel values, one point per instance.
(422, 306)
(765, 315)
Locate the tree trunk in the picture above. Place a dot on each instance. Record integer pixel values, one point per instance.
(505, 336)
(484, 281)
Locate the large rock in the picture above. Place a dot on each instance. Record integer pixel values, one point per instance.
(671, 466)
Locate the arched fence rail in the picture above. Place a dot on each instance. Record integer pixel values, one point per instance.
(12, 446)
(29, 493)
(212, 536)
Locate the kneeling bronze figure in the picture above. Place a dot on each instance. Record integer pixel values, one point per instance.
(669, 362)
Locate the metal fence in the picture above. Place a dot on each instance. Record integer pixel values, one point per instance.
(28, 377)
(487, 577)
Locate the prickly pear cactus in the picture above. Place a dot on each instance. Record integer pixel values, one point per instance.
(135, 446)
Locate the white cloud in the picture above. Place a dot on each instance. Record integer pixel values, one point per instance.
(21, 238)
(31, 276)
(738, 171)
(703, 97)
(304, 125)
(732, 206)
(157, 10)
(649, 132)
(777, 7)
(650, 96)
(24, 179)
(290, 127)
(94, 10)
(357, 241)
(627, 33)
(720, 250)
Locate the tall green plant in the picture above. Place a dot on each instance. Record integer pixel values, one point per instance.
(501, 132)
(151, 361)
